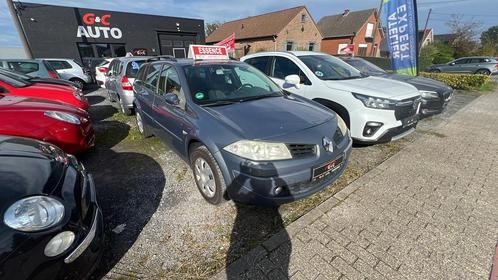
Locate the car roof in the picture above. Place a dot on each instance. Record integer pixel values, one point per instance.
(189, 61)
(132, 58)
(491, 57)
(292, 53)
(21, 60)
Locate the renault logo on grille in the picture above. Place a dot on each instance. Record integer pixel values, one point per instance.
(327, 144)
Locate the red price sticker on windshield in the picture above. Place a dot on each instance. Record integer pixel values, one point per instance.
(207, 52)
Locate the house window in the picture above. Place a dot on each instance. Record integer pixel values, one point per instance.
(362, 50)
(369, 32)
(304, 18)
(311, 46)
(289, 46)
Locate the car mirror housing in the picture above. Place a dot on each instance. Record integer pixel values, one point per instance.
(452, 64)
(172, 99)
(294, 80)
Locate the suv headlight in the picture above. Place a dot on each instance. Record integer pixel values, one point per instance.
(342, 126)
(376, 102)
(259, 151)
(34, 213)
(62, 116)
(429, 94)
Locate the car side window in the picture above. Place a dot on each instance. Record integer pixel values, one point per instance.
(461, 61)
(283, 67)
(152, 77)
(24, 67)
(261, 63)
(60, 64)
(169, 82)
(140, 74)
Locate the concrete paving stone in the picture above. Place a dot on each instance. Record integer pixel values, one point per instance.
(368, 270)
(363, 254)
(340, 251)
(388, 271)
(326, 270)
(336, 236)
(298, 276)
(344, 268)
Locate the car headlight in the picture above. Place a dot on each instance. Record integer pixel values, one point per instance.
(62, 116)
(429, 94)
(259, 151)
(34, 213)
(376, 102)
(342, 125)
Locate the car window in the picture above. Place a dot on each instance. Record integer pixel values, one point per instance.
(169, 82)
(211, 84)
(152, 77)
(59, 64)
(365, 66)
(283, 67)
(461, 61)
(133, 67)
(327, 67)
(23, 67)
(14, 81)
(141, 72)
(260, 63)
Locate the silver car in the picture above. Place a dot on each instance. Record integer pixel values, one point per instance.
(71, 70)
(120, 78)
(38, 68)
(484, 65)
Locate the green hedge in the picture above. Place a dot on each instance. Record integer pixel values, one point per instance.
(459, 81)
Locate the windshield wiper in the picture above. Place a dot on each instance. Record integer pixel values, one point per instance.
(218, 103)
(258, 97)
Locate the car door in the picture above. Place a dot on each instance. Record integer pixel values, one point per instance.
(145, 90)
(62, 67)
(475, 64)
(457, 66)
(282, 67)
(110, 82)
(171, 118)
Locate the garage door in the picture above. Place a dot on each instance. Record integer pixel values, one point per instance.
(175, 44)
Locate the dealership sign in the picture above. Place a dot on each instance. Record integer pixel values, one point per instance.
(92, 30)
(207, 52)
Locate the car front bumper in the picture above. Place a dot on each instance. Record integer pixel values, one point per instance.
(433, 106)
(256, 183)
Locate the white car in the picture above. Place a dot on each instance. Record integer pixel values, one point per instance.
(376, 109)
(101, 72)
(71, 70)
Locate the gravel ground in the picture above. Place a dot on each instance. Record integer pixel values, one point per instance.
(159, 227)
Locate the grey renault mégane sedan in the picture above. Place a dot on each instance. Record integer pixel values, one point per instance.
(244, 138)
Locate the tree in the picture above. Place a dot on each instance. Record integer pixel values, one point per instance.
(211, 27)
(465, 42)
(436, 53)
(489, 40)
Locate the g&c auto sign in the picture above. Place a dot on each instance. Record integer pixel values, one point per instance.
(97, 26)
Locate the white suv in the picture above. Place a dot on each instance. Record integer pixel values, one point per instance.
(71, 70)
(375, 109)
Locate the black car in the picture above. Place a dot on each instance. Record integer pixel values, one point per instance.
(51, 226)
(435, 95)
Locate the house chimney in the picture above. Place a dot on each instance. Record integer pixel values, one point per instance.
(345, 13)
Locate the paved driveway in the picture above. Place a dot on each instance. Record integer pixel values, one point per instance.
(429, 212)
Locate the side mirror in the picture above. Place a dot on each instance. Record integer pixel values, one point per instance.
(452, 64)
(293, 80)
(172, 99)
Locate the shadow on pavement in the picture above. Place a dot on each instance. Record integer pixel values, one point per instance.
(129, 189)
(253, 224)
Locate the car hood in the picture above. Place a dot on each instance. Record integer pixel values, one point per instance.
(420, 83)
(45, 86)
(50, 81)
(375, 86)
(270, 117)
(20, 103)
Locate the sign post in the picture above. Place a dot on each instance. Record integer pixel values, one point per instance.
(198, 52)
(402, 32)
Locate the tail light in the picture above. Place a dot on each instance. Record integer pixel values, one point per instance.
(103, 69)
(53, 74)
(496, 66)
(125, 83)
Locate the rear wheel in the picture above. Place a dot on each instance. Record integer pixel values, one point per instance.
(78, 82)
(142, 126)
(483, 72)
(125, 110)
(207, 175)
(436, 71)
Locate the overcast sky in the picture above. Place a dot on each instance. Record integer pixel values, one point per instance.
(485, 11)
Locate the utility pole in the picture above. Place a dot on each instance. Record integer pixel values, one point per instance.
(20, 29)
(425, 27)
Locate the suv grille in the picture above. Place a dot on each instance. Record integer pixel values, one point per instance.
(406, 108)
(301, 150)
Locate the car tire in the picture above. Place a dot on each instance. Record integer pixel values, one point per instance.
(207, 175)
(436, 71)
(78, 82)
(109, 96)
(125, 110)
(483, 72)
(143, 128)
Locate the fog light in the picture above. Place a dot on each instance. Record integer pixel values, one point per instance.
(60, 243)
(278, 190)
(371, 128)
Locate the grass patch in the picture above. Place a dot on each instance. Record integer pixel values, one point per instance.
(432, 133)
(489, 87)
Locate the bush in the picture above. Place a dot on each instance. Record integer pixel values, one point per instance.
(459, 81)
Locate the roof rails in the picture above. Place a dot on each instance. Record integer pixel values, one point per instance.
(161, 57)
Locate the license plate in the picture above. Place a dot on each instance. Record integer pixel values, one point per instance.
(326, 169)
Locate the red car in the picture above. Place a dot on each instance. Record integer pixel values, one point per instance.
(67, 127)
(12, 83)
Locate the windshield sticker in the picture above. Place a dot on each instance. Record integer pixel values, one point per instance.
(199, 95)
(135, 65)
(319, 73)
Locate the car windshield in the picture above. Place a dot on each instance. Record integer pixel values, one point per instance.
(133, 67)
(327, 67)
(365, 66)
(220, 84)
(13, 79)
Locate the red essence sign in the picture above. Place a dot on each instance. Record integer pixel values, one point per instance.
(207, 52)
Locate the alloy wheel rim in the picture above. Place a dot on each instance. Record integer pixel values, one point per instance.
(139, 123)
(205, 177)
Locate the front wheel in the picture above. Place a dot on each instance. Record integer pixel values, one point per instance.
(142, 126)
(207, 175)
(436, 71)
(483, 72)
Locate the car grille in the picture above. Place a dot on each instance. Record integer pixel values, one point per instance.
(406, 108)
(301, 150)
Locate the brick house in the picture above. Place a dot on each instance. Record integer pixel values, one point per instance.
(360, 28)
(425, 37)
(290, 29)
